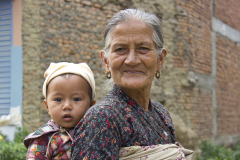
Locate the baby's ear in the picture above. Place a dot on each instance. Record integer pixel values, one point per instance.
(93, 102)
(45, 102)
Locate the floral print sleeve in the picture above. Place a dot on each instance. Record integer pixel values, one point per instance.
(118, 121)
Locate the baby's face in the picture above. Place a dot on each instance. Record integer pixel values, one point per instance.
(67, 100)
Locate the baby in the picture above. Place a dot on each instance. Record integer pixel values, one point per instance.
(69, 90)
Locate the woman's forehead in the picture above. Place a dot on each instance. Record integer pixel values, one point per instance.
(131, 31)
(132, 25)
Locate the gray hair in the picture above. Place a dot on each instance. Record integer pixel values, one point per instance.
(128, 14)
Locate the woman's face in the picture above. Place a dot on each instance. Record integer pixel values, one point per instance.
(133, 59)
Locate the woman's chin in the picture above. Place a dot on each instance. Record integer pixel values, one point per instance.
(134, 85)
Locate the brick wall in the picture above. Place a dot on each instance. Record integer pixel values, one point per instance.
(193, 53)
(193, 39)
(228, 12)
(228, 86)
(31, 67)
(195, 105)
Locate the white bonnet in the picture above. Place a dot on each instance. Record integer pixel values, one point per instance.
(56, 69)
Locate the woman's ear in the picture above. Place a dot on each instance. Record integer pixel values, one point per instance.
(161, 59)
(45, 102)
(93, 102)
(104, 60)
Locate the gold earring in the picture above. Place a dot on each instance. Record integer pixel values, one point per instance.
(108, 74)
(158, 74)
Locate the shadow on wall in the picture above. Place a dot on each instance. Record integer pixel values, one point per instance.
(185, 135)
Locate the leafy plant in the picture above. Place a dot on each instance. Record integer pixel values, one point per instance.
(13, 150)
(20, 135)
(3, 137)
(215, 152)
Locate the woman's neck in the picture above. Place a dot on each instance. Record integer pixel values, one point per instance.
(141, 96)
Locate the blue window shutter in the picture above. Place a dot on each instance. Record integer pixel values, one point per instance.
(5, 56)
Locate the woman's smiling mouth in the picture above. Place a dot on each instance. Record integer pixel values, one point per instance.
(133, 72)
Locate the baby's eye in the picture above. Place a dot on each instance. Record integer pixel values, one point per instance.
(76, 99)
(58, 99)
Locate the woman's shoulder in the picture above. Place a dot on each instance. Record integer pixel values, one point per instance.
(107, 103)
(159, 106)
(162, 112)
(108, 108)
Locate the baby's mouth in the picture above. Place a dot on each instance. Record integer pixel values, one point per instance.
(67, 117)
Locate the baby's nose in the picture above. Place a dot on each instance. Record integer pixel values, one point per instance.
(67, 105)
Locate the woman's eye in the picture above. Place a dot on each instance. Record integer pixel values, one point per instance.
(143, 48)
(76, 99)
(120, 50)
(58, 99)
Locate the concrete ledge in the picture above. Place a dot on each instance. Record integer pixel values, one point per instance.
(227, 139)
(205, 81)
(226, 30)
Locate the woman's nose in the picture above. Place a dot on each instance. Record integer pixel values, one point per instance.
(67, 105)
(132, 57)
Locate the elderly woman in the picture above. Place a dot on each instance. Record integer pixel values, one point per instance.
(133, 56)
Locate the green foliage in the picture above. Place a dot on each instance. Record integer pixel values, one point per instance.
(3, 137)
(214, 152)
(20, 135)
(13, 150)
